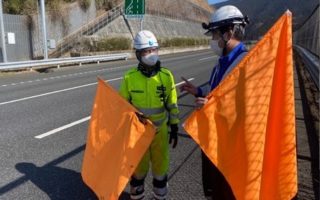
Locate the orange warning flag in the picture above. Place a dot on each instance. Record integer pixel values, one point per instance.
(116, 142)
(247, 128)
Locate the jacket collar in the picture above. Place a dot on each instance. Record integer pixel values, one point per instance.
(227, 60)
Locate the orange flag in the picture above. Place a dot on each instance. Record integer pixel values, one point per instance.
(247, 128)
(116, 142)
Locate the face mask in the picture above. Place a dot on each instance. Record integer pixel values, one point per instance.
(214, 45)
(150, 59)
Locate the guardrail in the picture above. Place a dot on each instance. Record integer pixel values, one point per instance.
(311, 62)
(307, 35)
(61, 61)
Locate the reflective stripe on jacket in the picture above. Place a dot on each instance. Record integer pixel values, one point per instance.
(155, 97)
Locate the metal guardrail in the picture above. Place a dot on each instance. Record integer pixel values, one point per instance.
(61, 61)
(307, 35)
(312, 63)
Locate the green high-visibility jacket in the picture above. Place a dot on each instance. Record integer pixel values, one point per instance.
(155, 97)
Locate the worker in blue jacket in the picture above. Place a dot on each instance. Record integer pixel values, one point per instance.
(227, 28)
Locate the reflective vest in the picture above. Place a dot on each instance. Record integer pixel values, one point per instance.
(155, 97)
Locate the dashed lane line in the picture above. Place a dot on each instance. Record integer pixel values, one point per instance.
(95, 71)
(41, 136)
(207, 58)
(54, 92)
(65, 76)
(62, 128)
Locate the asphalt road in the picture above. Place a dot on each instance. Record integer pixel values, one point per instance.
(44, 121)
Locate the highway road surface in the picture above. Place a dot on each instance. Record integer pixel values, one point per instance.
(44, 120)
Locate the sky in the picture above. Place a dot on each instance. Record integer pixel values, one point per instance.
(215, 1)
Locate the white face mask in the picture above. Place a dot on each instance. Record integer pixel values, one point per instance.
(214, 45)
(150, 59)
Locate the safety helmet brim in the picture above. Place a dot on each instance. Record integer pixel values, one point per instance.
(145, 39)
(223, 17)
(225, 23)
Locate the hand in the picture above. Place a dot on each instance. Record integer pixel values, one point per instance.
(189, 87)
(142, 118)
(200, 102)
(174, 135)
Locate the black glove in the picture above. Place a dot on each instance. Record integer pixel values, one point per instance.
(174, 135)
(142, 118)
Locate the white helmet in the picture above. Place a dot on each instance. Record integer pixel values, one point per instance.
(224, 16)
(145, 39)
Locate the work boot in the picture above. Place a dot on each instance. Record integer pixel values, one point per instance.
(160, 188)
(136, 189)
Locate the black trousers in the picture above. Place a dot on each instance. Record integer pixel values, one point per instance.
(213, 182)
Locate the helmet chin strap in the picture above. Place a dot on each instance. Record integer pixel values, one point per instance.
(226, 43)
(149, 71)
(138, 55)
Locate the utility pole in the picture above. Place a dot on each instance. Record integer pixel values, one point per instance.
(141, 23)
(3, 39)
(44, 29)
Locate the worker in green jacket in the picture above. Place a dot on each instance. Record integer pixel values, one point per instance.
(151, 89)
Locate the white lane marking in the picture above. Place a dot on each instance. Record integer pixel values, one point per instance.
(62, 128)
(207, 58)
(187, 56)
(100, 70)
(64, 76)
(54, 92)
(78, 122)
(182, 82)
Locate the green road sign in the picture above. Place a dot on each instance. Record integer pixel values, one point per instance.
(135, 7)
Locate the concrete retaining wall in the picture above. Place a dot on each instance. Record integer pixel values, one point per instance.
(29, 37)
(162, 27)
(73, 18)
